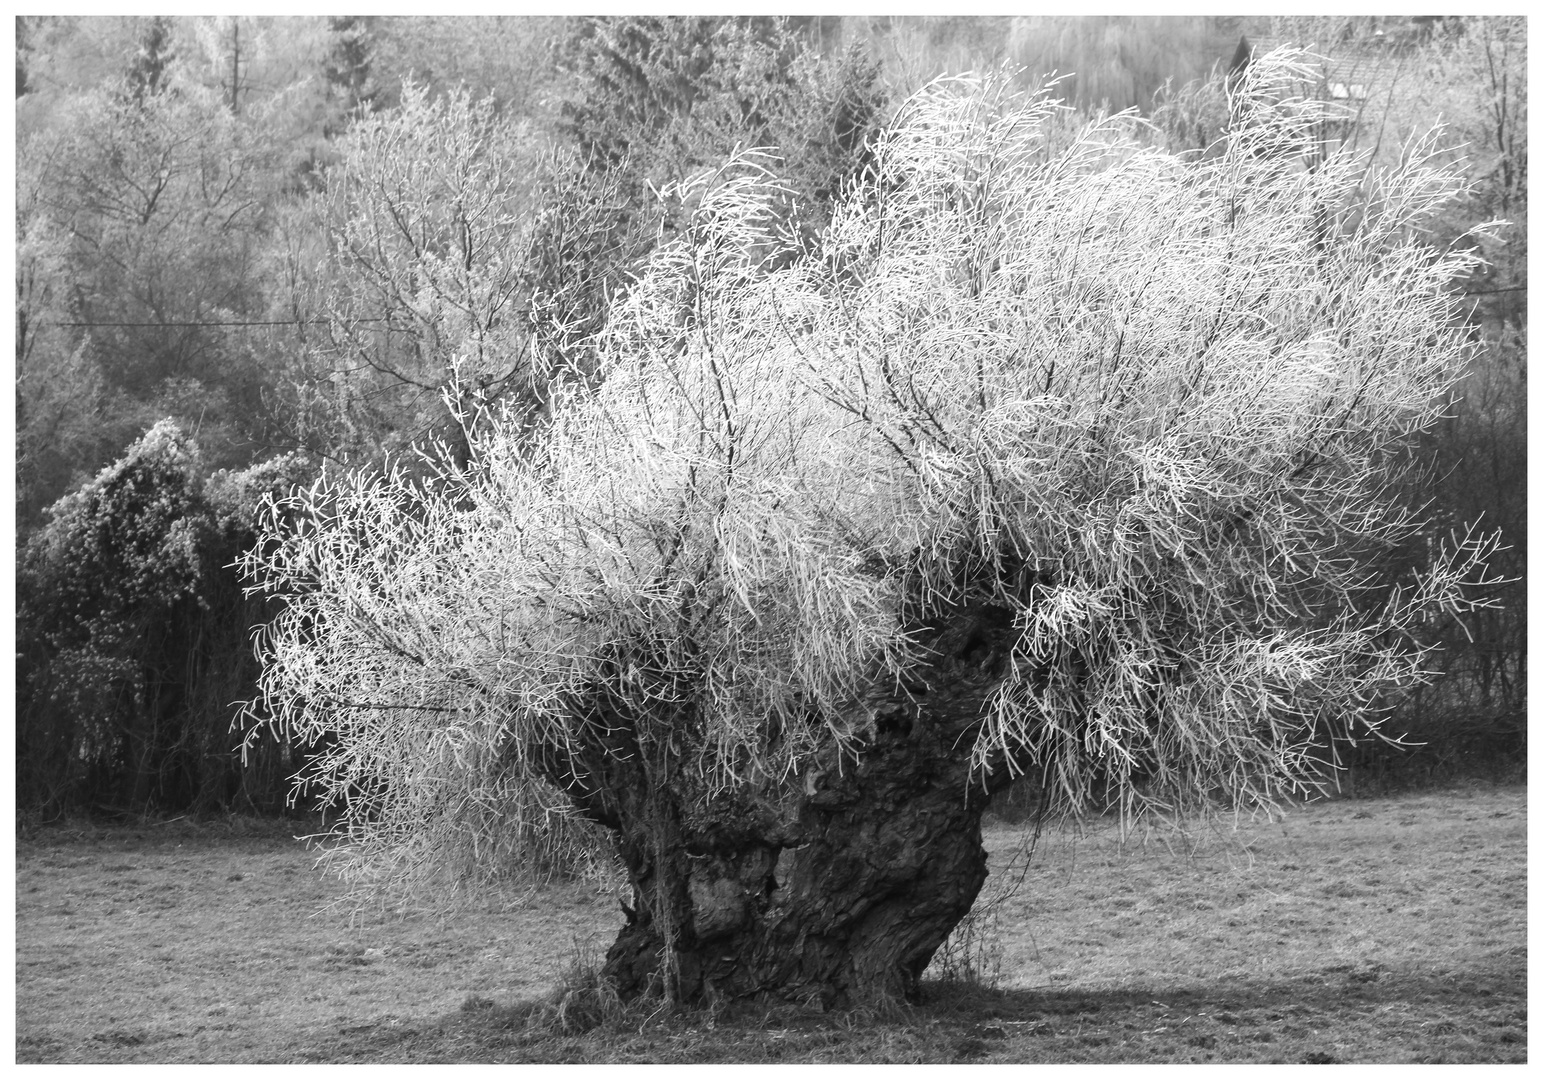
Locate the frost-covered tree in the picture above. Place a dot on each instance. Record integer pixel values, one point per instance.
(427, 216)
(1069, 459)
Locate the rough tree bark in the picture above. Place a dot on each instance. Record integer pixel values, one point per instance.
(837, 888)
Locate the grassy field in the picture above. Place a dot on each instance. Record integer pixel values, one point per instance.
(1389, 930)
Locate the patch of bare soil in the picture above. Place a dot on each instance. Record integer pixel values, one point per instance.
(1388, 930)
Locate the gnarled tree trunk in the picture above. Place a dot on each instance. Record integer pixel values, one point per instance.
(837, 888)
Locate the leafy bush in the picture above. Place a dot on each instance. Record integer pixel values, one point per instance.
(134, 636)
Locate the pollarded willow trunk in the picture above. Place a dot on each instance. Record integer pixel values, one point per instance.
(837, 888)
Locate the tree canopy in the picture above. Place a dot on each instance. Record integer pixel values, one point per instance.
(1053, 454)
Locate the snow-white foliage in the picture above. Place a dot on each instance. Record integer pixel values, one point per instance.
(1152, 406)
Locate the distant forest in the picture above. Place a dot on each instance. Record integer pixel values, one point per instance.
(251, 250)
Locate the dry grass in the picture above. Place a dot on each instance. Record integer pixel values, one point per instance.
(1389, 930)
(1369, 930)
(182, 942)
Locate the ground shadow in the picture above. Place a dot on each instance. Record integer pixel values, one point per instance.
(1339, 1013)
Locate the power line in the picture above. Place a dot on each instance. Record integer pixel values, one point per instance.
(250, 322)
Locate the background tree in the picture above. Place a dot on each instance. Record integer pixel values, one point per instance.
(499, 57)
(162, 198)
(60, 395)
(348, 68)
(279, 76)
(1064, 461)
(427, 216)
(149, 72)
(23, 51)
(162, 202)
(65, 55)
